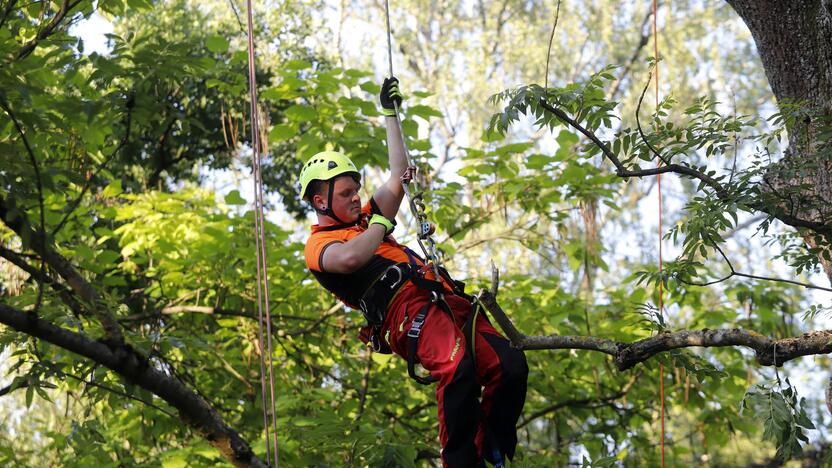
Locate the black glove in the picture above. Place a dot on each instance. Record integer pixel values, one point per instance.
(390, 96)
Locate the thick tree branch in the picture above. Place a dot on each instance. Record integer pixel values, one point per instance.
(81, 287)
(627, 355)
(193, 409)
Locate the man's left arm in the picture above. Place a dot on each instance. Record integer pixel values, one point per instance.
(389, 196)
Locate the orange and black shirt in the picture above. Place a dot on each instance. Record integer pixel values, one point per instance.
(349, 287)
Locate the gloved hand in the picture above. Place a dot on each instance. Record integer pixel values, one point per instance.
(379, 219)
(389, 95)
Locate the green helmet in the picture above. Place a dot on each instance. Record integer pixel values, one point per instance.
(325, 166)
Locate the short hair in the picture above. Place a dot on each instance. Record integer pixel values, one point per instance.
(316, 187)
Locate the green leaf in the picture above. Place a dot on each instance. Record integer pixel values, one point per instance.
(301, 113)
(281, 132)
(107, 257)
(217, 44)
(113, 189)
(538, 161)
(425, 112)
(234, 198)
(30, 392)
(297, 65)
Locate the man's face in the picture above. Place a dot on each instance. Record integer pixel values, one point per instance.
(346, 202)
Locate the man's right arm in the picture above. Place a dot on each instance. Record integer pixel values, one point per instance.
(349, 256)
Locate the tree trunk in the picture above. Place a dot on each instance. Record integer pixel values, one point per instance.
(794, 40)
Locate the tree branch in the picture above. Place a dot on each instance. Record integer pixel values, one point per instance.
(365, 386)
(638, 122)
(173, 310)
(63, 292)
(81, 287)
(118, 392)
(6, 11)
(627, 355)
(48, 30)
(193, 409)
(642, 41)
(721, 192)
(749, 276)
(582, 402)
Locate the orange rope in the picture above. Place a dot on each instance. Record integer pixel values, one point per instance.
(661, 265)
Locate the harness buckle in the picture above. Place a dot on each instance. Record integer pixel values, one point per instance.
(416, 326)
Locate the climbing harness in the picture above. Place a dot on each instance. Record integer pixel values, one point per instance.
(263, 310)
(376, 300)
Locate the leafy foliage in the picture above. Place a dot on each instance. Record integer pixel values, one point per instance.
(783, 416)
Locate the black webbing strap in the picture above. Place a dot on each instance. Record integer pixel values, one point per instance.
(413, 343)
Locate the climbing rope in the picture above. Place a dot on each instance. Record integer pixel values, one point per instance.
(263, 310)
(424, 228)
(661, 263)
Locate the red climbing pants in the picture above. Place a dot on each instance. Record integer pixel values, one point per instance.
(472, 426)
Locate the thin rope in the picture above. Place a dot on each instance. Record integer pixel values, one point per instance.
(661, 263)
(263, 310)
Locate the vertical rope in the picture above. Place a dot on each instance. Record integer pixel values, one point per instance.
(661, 263)
(426, 242)
(263, 310)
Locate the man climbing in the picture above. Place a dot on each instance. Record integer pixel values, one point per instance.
(409, 311)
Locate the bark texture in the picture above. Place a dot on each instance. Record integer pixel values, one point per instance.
(794, 40)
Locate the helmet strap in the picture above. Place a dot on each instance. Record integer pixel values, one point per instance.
(327, 211)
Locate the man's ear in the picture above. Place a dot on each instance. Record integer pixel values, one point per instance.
(318, 201)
